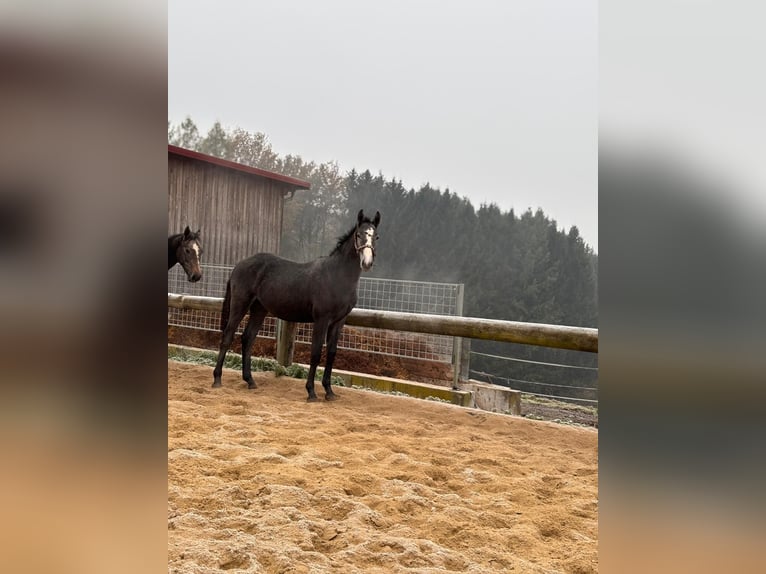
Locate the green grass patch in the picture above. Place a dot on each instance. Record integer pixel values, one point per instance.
(234, 361)
(265, 364)
(437, 399)
(535, 400)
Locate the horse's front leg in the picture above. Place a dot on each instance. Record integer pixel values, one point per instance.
(317, 340)
(333, 334)
(257, 315)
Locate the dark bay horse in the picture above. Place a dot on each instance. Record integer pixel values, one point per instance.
(322, 292)
(185, 248)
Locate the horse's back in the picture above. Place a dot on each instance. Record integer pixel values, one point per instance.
(265, 275)
(267, 264)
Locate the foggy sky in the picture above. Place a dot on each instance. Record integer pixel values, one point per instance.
(495, 100)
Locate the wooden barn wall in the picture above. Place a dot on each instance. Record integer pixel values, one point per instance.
(239, 214)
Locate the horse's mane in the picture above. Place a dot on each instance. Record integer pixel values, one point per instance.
(346, 236)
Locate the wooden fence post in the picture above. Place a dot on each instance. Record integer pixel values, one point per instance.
(457, 342)
(285, 342)
(465, 361)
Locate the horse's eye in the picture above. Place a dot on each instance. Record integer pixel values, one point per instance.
(187, 250)
(377, 237)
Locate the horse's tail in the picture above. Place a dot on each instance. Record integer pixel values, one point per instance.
(226, 306)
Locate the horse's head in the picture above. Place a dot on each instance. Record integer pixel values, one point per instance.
(189, 252)
(365, 237)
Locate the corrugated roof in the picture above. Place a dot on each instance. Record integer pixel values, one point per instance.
(299, 183)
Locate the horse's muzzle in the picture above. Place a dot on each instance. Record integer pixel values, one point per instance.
(366, 258)
(194, 277)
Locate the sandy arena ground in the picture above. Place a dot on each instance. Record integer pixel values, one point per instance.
(262, 481)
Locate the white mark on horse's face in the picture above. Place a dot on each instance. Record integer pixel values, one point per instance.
(191, 263)
(366, 253)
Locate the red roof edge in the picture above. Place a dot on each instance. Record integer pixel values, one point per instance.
(299, 183)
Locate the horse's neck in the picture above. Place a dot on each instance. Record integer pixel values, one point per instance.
(347, 261)
(173, 242)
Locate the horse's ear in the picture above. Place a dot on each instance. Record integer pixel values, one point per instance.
(360, 217)
(197, 232)
(376, 221)
(187, 232)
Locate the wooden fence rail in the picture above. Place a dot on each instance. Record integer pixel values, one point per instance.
(556, 336)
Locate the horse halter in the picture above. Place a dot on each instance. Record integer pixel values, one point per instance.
(358, 247)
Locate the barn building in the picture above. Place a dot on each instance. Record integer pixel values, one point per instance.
(238, 208)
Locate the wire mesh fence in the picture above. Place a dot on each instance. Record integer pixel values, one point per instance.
(377, 294)
(409, 296)
(212, 284)
(563, 381)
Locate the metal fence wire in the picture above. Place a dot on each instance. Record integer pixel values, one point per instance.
(377, 294)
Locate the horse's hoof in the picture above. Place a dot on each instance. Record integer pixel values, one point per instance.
(217, 384)
(312, 399)
(332, 397)
(252, 386)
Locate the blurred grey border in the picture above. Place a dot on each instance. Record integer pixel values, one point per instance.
(682, 214)
(82, 203)
(83, 393)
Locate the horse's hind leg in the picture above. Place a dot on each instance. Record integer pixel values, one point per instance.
(257, 315)
(317, 340)
(237, 310)
(333, 334)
